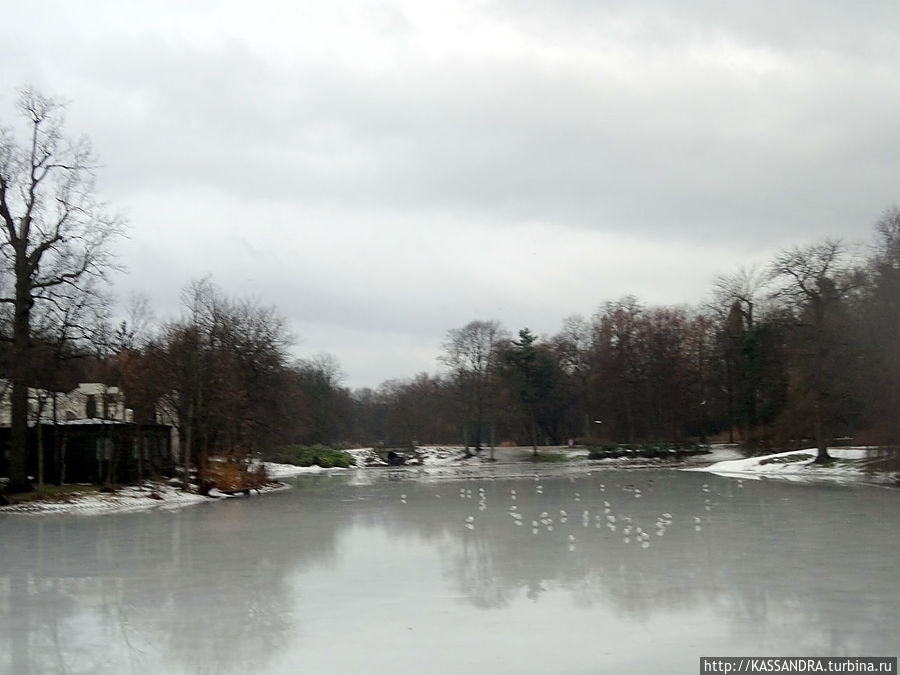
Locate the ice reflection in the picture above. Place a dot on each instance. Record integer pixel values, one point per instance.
(781, 565)
(204, 588)
(323, 575)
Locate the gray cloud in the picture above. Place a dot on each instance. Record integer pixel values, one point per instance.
(399, 168)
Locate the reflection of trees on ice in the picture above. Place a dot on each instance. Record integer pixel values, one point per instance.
(221, 587)
(472, 567)
(777, 574)
(204, 587)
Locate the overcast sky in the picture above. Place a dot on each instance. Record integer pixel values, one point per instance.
(385, 171)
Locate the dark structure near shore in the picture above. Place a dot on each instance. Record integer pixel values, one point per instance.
(86, 435)
(95, 451)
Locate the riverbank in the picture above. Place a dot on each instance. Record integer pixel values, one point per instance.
(443, 462)
(91, 500)
(849, 464)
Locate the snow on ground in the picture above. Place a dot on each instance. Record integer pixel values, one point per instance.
(434, 455)
(799, 465)
(147, 496)
(364, 457)
(126, 499)
(277, 471)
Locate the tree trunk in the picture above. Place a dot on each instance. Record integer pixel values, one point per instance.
(493, 431)
(629, 417)
(56, 475)
(18, 459)
(39, 436)
(822, 455)
(109, 448)
(138, 442)
(62, 457)
(479, 417)
(477, 430)
(533, 429)
(186, 452)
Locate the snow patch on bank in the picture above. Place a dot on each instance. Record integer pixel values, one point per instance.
(143, 497)
(277, 471)
(435, 455)
(799, 465)
(363, 457)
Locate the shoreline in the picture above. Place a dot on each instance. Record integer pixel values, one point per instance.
(445, 462)
(849, 465)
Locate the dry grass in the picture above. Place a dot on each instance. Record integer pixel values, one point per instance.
(230, 477)
(54, 493)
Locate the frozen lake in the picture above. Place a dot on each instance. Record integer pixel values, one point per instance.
(379, 572)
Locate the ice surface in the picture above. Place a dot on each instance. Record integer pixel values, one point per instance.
(333, 576)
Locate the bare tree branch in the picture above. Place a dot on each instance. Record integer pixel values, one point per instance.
(55, 239)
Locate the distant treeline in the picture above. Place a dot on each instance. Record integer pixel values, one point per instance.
(807, 347)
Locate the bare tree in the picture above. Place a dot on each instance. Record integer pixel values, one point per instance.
(881, 331)
(55, 234)
(320, 405)
(736, 298)
(619, 343)
(814, 280)
(72, 325)
(221, 372)
(742, 287)
(887, 238)
(136, 331)
(573, 347)
(471, 354)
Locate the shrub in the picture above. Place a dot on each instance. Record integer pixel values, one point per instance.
(231, 477)
(649, 451)
(309, 455)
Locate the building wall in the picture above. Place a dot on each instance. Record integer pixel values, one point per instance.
(105, 403)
